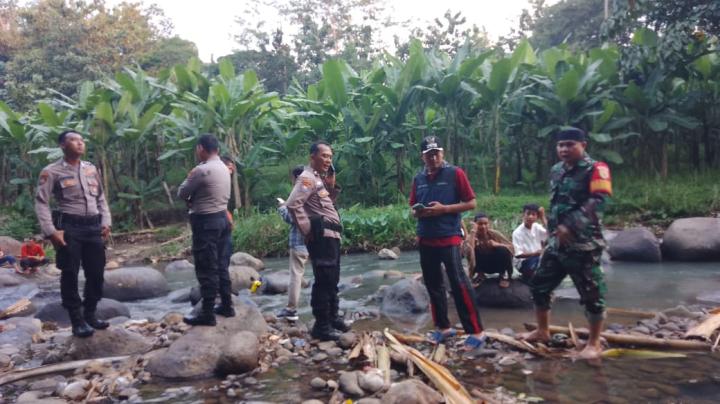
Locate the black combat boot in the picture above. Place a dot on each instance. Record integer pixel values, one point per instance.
(324, 332)
(80, 328)
(93, 321)
(204, 317)
(339, 324)
(225, 308)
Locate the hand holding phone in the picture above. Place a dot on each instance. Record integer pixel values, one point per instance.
(418, 206)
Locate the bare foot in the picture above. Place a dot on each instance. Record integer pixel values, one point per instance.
(590, 352)
(535, 336)
(504, 283)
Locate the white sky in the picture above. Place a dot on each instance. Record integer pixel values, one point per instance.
(211, 23)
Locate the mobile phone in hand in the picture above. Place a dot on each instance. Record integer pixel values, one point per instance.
(419, 206)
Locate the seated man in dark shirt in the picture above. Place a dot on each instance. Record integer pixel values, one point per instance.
(492, 252)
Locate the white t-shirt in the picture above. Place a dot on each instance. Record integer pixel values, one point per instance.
(528, 241)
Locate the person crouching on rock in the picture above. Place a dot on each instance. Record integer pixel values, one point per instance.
(528, 239)
(580, 187)
(32, 255)
(492, 252)
(207, 191)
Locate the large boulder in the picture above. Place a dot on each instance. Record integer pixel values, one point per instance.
(113, 341)
(134, 283)
(247, 260)
(239, 355)
(412, 391)
(242, 277)
(10, 246)
(692, 239)
(636, 244)
(198, 353)
(490, 294)
(8, 279)
(278, 283)
(106, 309)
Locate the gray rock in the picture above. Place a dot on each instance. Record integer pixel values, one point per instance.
(180, 295)
(368, 400)
(411, 391)
(10, 246)
(8, 279)
(642, 329)
(18, 331)
(319, 357)
(335, 352)
(242, 277)
(76, 390)
(396, 250)
(312, 402)
(692, 239)
(245, 259)
(371, 381)
(179, 266)
(134, 283)
(332, 384)
(114, 341)
(49, 384)
(636, 244)
(347, 340)
(386, 254)
(106, 309)
(374, 274)
(197, 353)
(240, 354)
(126, 393)
(349, 384)
(406, 296)
(490, 294)
(278, 283)
(318, 383)
(30, 397)
(4, 360)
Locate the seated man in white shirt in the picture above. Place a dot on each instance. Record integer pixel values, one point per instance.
(528, 240)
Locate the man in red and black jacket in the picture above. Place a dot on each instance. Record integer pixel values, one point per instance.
(440, 193)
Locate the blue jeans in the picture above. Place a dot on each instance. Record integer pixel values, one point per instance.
(529, 266)
(7, 259)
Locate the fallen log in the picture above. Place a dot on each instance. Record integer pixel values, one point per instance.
(16, 375)
(704, 330)
(634, 340)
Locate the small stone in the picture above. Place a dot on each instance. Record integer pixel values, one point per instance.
(319, 357)
(76, 390)
(312, 402)
(347, 340)
(368, 400)
(49, 384)
(371, 381)
(507, 361)
(325, 345)
(349, 384)
(335, 352)
(642, 329)
(127, 393)
(250, 381)
(661, 318)
(318, 383)
(231, 393)
(671, 327)
(4, 361)
(332, 384)
(294, 332)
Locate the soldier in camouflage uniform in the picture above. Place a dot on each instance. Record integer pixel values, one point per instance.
(579, 189)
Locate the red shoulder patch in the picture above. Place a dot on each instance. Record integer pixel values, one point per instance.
(44, 175)
(601, 182)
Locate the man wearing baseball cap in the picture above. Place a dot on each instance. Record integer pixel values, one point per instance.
(579, 188)
(440, 193)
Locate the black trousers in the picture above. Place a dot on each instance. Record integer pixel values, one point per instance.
(84, 246)
(431, 259)
(496, 260)
(210, 233)
(325, 258)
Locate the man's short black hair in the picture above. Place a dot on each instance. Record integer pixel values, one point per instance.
(479, 216)
(315, 147)
(209, 142)
(297, 171)
(63, 135)
(531, 207)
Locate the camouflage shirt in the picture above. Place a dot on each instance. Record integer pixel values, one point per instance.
(577, 198)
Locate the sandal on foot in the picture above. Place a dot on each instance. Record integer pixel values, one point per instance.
(472, 342)
(438, 336)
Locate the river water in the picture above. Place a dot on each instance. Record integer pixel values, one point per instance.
(647, 287)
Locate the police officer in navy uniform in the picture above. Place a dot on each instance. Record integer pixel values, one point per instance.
(78, 231)
(207, 191)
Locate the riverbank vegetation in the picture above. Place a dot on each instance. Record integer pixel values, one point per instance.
(645, 85)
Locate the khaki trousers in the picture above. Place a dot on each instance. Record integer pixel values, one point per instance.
(297, 269)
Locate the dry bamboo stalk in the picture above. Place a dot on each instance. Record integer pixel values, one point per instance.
(16, 375)
(410, 367)
(357, 348)
(573, 335)
(704, 330)
(384, 363)
(369, 350)
(15, 308)
(521, 345)
(716, 342)
(439, 354)
(624, 339)
(408, 339)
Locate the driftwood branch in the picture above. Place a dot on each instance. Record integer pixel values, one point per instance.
(635, 340)
(704, 330)
(16, 375)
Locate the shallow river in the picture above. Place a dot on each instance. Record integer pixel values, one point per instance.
(631, 286)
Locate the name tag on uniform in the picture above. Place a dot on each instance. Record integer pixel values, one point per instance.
(323, 193)
(66, 182)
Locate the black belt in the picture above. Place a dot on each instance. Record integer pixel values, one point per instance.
(201, 216)
(333, 226)
(77, 220)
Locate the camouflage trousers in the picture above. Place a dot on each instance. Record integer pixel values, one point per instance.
(584, 270)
